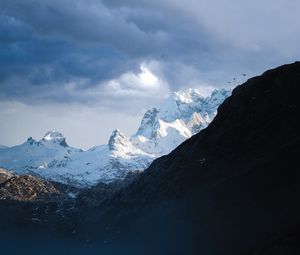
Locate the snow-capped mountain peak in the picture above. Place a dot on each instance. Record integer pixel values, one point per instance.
(161, 130)
(31, 141)
(56, 137)
(180, 116)
(148, 124)
(186, 96)
(117, 139)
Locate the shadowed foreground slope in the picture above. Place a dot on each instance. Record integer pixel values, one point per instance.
(231, 189)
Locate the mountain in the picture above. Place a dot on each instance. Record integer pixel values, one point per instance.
(230, 189)
(182, 115)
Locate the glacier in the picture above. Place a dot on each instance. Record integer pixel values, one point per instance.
(181, 115)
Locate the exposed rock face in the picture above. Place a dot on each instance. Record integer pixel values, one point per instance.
(148, 123)
(27, 188)
(4, 175)
(117, 139)
(56, 137)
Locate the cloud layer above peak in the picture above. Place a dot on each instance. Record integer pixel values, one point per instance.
(65, 45)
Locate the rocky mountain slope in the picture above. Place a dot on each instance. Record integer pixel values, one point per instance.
(25, 188)
(231, 189)
(4, 175)
(162, 129)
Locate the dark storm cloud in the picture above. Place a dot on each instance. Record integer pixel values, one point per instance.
(56, 50)
(45, 44)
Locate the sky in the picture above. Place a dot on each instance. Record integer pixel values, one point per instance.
(87, 67)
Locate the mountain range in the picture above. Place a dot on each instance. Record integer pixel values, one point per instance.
(162, 129)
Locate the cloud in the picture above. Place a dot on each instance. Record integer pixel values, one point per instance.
(144, 83)
(84, 22)
(250, 25)
(59, 45)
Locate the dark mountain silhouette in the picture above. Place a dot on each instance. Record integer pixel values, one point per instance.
(231, 189)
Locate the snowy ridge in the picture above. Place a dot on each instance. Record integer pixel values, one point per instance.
(182, 115)
(162, 129)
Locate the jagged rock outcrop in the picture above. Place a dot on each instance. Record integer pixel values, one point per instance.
(27, 188)
(4, 175)
(116, 138)
(56, 137)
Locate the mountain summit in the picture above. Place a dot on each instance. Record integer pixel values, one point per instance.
(179, 117)
(56, 137)
(116, 139)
